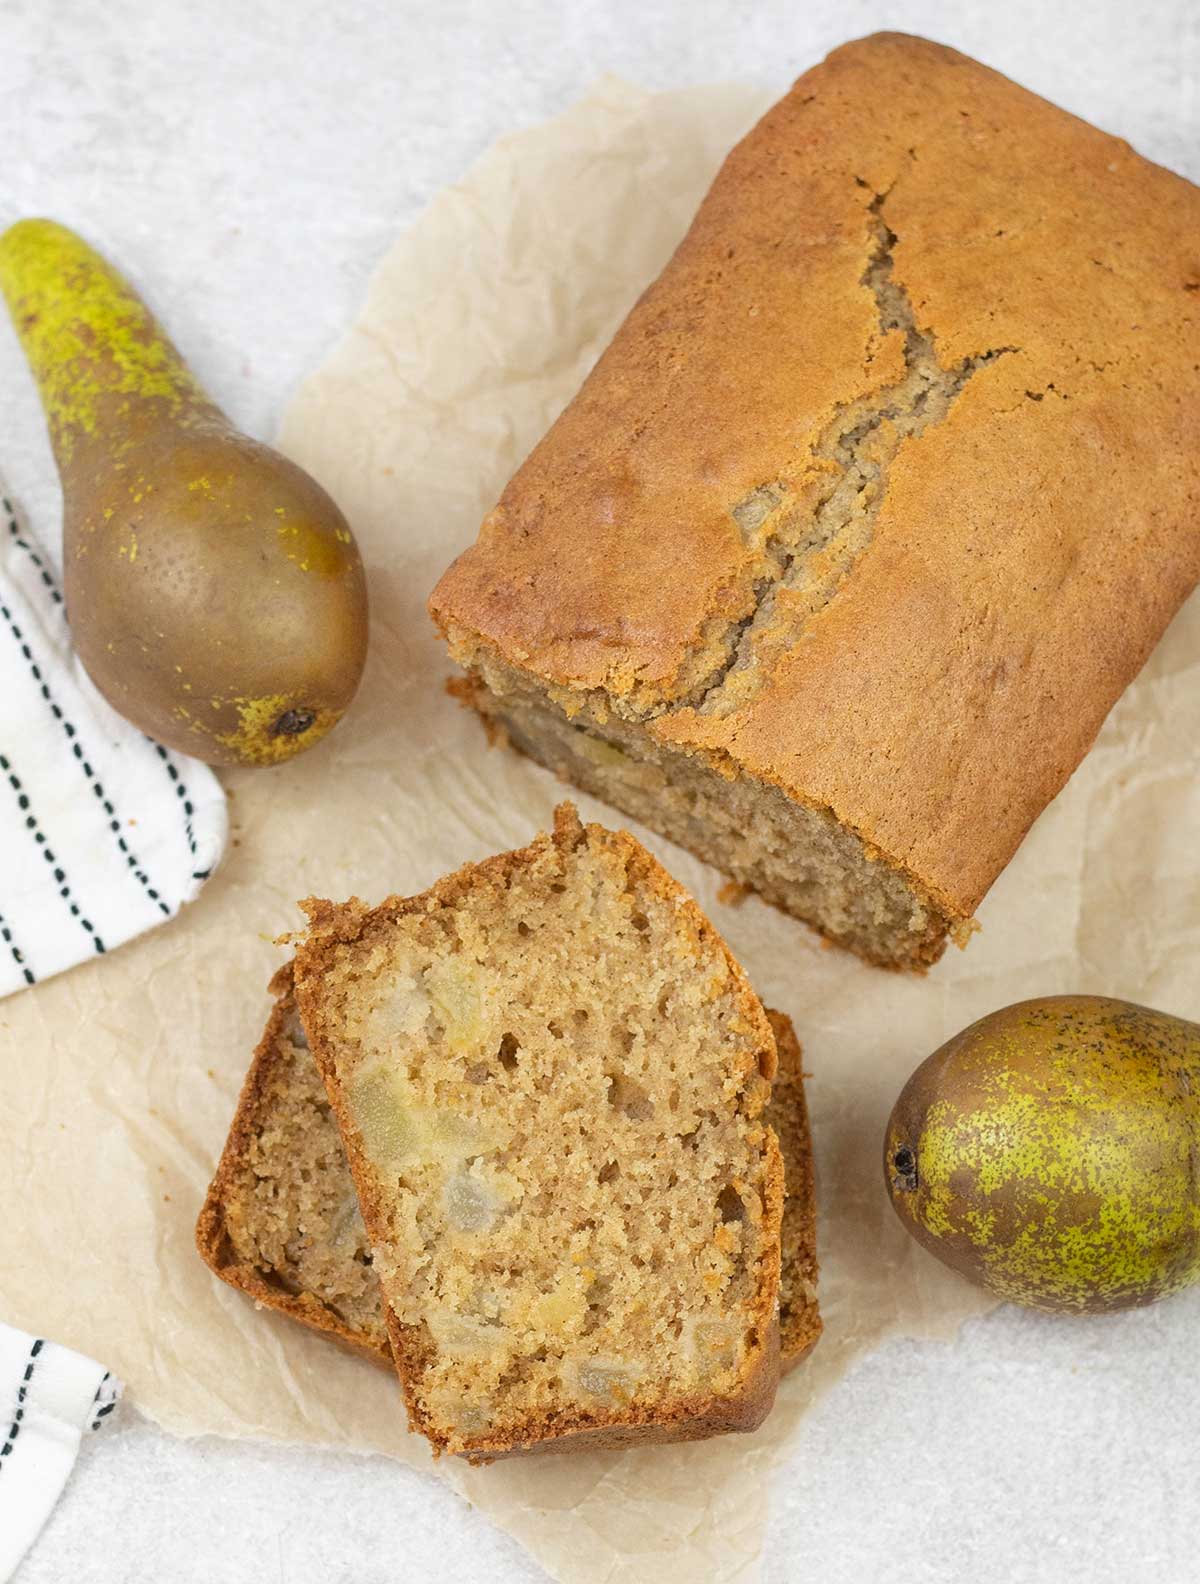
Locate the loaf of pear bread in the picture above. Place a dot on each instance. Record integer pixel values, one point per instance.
(879, 498)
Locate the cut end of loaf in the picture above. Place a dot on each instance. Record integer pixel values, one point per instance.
(551, 1079)
(801, 859)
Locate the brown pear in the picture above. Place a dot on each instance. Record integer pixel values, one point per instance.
(214, 591)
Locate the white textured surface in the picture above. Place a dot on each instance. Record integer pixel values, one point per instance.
(1032, 1452)
(230, 157)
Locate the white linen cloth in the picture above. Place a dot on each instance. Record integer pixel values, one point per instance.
(103, 833)
(50, 1397)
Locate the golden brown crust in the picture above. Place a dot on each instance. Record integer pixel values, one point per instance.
(216, 1248)
(331, 926)
(951, 682)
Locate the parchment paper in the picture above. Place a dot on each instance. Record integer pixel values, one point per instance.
(119, 1079)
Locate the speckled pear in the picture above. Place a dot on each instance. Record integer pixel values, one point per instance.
(1050, 1152)
(215, 592)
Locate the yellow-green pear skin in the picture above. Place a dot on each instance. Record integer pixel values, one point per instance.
(215, 593)
(1051, 1153)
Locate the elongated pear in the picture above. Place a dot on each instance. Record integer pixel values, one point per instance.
(214, 591)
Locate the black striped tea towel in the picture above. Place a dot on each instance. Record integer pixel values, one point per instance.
(103, 833)
(49, 1398)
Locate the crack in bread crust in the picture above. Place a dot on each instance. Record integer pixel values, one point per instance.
(811, 541)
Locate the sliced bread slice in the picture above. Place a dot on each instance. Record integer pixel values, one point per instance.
(550, 1076)
(281, 1219)
(275, 1223)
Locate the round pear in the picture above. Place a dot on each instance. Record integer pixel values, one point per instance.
(1051, 1153)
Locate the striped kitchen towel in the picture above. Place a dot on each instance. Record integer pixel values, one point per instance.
(103, 833)
(49, 1398)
